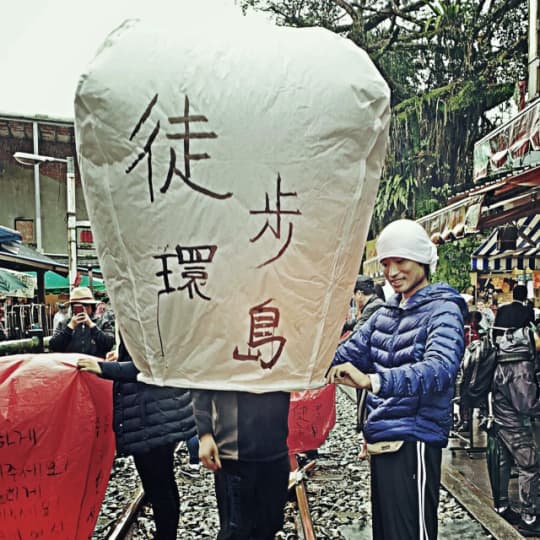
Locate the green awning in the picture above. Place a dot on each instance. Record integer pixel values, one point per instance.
(56, 283)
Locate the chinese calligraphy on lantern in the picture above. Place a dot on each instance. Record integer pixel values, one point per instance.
(277, 213)
(187, 135)
(264, 322)
(191, 260)
(184, 269)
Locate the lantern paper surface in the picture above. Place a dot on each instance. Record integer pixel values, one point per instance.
(312, 415)
(56, 447)
(230, 169)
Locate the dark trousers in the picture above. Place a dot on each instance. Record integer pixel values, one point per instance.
(156, 469)
(405, 492)
(251, 498)
(515, 396)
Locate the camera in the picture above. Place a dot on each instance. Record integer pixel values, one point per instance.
(77, 308)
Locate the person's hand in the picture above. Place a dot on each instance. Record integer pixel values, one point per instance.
(348, 375)
(111, 356)
(89, 364)
(208, 452)
(75, 321)
(363, 452)
(85, 319)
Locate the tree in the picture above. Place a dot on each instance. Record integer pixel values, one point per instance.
(447, 62)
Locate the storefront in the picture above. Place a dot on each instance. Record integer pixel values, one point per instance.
(499, 269)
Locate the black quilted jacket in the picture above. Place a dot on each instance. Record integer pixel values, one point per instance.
(146, 416)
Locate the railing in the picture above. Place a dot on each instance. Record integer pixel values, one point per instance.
(22, 318)
(36, 343)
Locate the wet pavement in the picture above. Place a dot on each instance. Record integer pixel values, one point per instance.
(465, 476)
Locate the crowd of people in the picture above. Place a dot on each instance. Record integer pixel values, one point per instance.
(402, 354)
(509, 409)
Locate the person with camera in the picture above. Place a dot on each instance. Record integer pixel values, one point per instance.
(81, 333)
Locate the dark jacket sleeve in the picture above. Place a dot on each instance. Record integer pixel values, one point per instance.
(104, 340)
(202, 409)
(61, 340)
(119, 371)
(369, 309)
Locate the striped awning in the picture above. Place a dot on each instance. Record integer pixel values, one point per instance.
(487, 258)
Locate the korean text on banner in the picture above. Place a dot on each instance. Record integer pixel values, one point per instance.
(56, 447)
(230, 182)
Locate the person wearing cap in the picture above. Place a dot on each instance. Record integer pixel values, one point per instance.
(406, 356)
(81, 333)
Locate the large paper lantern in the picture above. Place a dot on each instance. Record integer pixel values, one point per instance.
(230, 169)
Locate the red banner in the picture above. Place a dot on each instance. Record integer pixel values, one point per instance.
(56, 447)
(312, 416)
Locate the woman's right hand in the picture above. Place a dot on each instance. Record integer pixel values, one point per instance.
(89, 364)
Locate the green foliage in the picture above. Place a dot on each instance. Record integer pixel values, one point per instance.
(396, 199)
(455, 262)
(447, 62)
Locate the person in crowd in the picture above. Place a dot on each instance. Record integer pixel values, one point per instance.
(515, 400)
(243, 439)
(367, 303)
(60, 316)
(488, 317)
(406, 356)
(148, 422)
(81, 333)
(366, 300)
(473, 332)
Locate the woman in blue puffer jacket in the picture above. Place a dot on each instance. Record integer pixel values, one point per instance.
(407, 356)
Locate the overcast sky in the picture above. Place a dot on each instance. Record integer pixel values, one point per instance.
(46, 44)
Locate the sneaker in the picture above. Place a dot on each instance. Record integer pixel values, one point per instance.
(529, 530)
(509, 515)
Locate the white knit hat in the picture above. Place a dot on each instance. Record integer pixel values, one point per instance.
(407, 239)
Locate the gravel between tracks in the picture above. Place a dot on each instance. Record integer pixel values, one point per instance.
(338, 492)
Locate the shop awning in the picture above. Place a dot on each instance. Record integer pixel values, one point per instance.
(488, 258)
(55, 283)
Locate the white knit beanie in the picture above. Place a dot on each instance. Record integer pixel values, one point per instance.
(406, 239)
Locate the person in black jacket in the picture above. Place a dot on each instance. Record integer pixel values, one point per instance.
(243, 440)
(515, 400)
(81, 333)
(148, 421)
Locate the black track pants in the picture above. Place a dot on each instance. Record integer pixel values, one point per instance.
(405, 492)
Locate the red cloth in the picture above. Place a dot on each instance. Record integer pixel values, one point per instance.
(312, 416)
(56, 447)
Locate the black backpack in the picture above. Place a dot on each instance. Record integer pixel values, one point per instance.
(475, 377)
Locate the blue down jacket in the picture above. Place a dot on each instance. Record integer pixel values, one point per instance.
(146, 416)
(416, 350)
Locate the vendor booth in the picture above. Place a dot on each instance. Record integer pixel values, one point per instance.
(501, 267)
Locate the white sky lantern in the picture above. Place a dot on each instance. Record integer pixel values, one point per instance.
(230, 169)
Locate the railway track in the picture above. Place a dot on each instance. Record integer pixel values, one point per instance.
(329, 498)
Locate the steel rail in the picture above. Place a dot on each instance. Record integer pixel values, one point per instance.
(127, 518)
